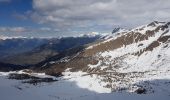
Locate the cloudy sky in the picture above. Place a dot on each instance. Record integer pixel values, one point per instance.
(41, 18)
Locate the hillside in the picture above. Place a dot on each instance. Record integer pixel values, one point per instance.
(50, 47)
(135, 61)
(130, 60)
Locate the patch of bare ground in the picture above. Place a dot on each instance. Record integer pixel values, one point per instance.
(153, 45)
(26, 78)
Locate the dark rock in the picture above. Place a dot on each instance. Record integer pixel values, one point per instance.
(21, 76)
(26, 78)
(141, 91)
(115, 30)
(59, 74)
(39, 80)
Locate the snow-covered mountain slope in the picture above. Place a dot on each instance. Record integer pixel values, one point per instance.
(140, 56)
(136, 60)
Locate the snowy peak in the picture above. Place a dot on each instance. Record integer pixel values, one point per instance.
(95, 34)
(155, 23)
(153, 26)
(118, 30)
(147, 37)
(6, 37)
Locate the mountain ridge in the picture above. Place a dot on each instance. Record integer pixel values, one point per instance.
(122, 61)
(45, 50)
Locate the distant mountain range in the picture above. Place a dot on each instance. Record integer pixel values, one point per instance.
(28, 51)
(14, 46)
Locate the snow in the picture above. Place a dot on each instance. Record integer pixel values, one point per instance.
(40, 75)
(129, 48)
(93, 34)
(148, 63)
(4, 73)
(94, 66)
(7, 37)
(90, 82)
(107, 37)
(148, 67)
(142, 29)
(65, 90)
(150, 70)
(81, 79)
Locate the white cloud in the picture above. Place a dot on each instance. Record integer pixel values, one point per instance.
(45, 29)
(68, 16)
(17, 29)
(12, 29)
(28, 31)
(99, 14)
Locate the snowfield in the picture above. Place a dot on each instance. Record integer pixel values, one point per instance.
(72, 87)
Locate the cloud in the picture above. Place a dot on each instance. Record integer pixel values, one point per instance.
(45, 29)
(102, 15)
(28, 31)
(17, 29)
(12, 29)
(25, 29)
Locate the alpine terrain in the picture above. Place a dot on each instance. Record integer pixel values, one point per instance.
(133, 61)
